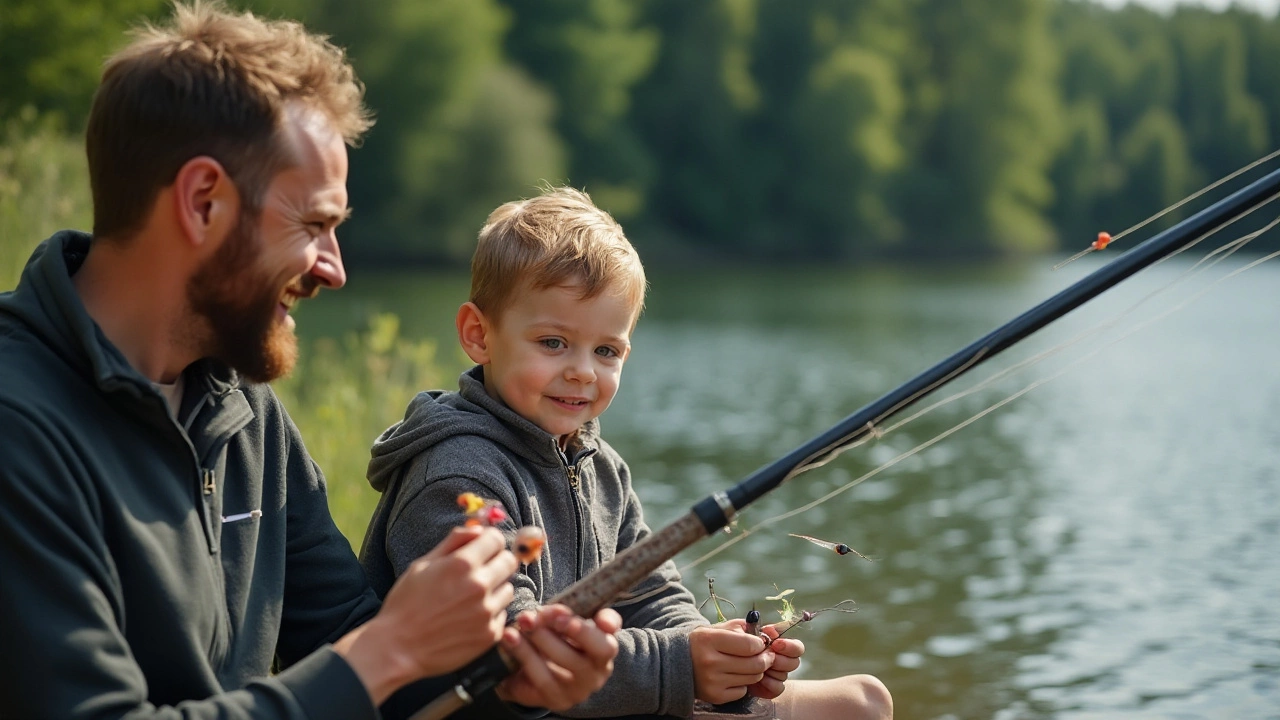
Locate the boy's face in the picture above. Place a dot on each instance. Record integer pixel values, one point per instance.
(555, 358)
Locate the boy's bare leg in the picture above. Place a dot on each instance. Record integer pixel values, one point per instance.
(856, 697)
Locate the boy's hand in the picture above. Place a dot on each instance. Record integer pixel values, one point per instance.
(787, 652)
(727, 661)
(447, 608)
(563, 658)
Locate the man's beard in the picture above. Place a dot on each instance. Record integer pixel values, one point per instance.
(238, 302)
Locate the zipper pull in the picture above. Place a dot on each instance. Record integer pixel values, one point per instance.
(572, 471)
(209, 486)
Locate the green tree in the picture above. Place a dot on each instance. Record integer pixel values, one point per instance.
(1226, 127)
(690, 114)
(458, 132)
(1160, 170)
(52, 51)
(836, 117)
(986, 131)
(590, 53)
(1263, 67)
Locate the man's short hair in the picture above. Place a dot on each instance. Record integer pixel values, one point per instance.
(213, 83)
(555, 239)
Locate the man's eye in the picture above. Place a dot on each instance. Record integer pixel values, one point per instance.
(552, 343)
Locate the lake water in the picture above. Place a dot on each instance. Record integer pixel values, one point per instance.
(1104, 546)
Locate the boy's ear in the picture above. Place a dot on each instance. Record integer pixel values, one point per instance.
(473, 331)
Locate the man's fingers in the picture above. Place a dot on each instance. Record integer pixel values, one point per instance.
(479, 551)
(455, 539)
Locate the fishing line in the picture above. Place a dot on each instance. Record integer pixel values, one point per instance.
(1226, 250)
(1172, 207)
(827, 456)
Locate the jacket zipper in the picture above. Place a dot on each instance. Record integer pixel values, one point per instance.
(208, 485)
(571, 471)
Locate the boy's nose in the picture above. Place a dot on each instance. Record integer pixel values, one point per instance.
(580, 369)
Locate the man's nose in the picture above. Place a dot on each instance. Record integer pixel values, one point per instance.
(328, 270)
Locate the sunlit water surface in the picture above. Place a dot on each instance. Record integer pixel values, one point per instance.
(1107, 545)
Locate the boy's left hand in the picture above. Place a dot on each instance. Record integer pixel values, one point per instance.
(787, 652)
(563, 658)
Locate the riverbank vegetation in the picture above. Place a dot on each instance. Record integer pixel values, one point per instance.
(814, 130)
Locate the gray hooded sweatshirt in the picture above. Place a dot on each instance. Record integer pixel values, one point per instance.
(451, 443)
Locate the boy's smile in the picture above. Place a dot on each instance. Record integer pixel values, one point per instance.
(554, 357)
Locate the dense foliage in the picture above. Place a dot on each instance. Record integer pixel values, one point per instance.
(755, 129)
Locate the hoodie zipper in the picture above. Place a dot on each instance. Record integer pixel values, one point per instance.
(572, 470)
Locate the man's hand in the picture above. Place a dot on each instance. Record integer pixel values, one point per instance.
(447, 608)
(787, 652)
(727, 661)
(563, 658)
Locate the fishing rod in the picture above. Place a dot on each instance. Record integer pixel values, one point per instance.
(599, 588)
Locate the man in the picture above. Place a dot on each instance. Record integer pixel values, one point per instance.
(164, 537)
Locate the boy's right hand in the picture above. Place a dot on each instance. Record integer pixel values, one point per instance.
(447, 608)
(726, 661)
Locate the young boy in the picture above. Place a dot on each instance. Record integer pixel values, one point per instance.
(556, 290)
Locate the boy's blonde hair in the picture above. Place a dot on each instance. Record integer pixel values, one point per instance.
(210, 82)
(557, 238)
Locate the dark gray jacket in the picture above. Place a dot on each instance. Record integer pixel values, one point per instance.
(450, 443)
(123, 592)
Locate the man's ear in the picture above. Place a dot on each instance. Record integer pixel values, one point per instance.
(473, 333)
(206, 202)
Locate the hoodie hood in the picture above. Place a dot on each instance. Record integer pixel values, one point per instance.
(46, 302)
(435, 416)
(47, 305)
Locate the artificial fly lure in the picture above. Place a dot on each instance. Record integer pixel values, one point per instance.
(486, 513)
(599, 588)
(529, 541)
(792, 618)
(838, 548)
(528, 544)
(715, 600)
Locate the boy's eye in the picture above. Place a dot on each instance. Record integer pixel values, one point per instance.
(606, 351)
(552, 343)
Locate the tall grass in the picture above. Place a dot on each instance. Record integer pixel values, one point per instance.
(44, 187)
(342, 394)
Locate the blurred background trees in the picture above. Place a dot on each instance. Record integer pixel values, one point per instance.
(759, 130)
